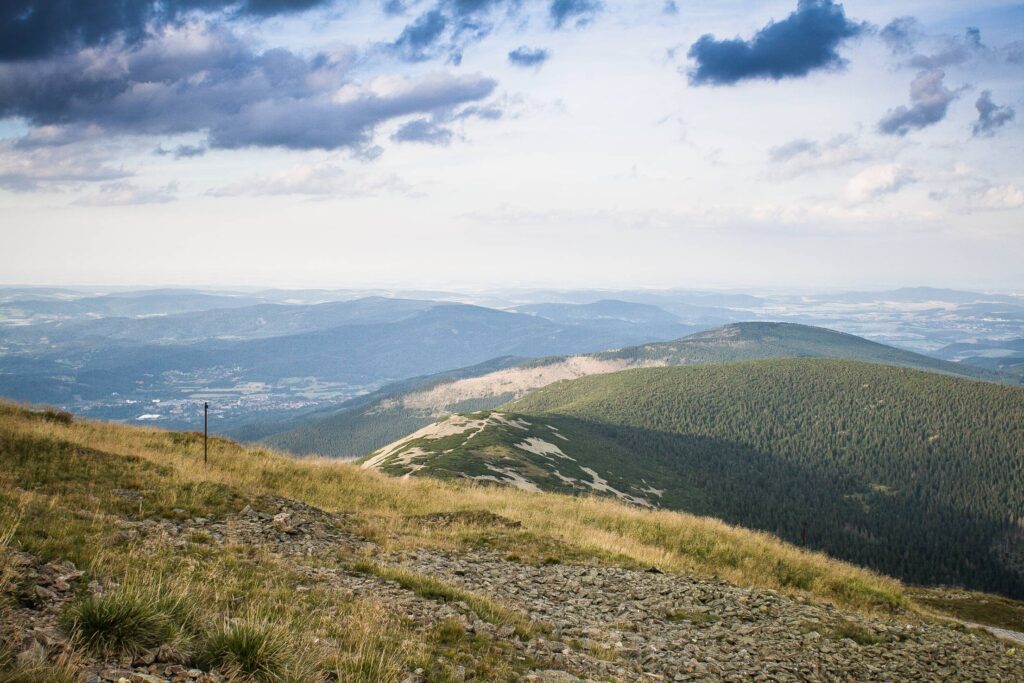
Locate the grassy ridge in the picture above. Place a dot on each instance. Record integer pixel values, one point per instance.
(61, 480)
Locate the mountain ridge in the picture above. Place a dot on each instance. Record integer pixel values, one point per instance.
(355, 429)
(914, 473)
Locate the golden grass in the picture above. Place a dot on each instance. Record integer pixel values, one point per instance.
(598, 529)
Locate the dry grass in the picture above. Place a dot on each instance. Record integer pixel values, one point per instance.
(551, 524)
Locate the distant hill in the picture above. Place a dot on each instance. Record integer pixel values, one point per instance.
(917, 474)
(155, 302)
(381, 341)
(358, 427)
(225, 323)
(921, 295)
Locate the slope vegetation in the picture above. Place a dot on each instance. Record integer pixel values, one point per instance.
(365, 424)
(125, 556)
(916, 474)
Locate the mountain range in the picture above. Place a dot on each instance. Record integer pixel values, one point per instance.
(368, 422)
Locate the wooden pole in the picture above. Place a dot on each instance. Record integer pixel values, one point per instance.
(206, 429)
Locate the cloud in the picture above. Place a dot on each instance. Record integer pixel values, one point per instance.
(196, 78)
(423, 130)
(952, 51)
(1001, 197)
(990, 115)
(804, 41)
(929, 99)
(1013, 52)
(527, 57)
(418, 38)
(33, 167)
(33, 29)
(792, 149)
(802, 155)
(128, 194)
(901, 34)
(447, 28)
(876, 181)
(670, 7)
(182, 151)
(324, 179)
(581, 12)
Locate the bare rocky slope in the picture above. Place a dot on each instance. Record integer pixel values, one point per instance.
(591, 622)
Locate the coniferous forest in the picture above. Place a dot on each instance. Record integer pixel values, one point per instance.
(916, 474)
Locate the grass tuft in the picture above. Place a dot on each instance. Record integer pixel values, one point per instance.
(373, 649)
(32, 670)
(141, 614)
(250, 648)
(857, 633)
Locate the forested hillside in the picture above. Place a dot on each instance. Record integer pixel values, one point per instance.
(916, 474)
(362, 425)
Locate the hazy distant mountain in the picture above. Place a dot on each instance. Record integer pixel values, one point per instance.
(131, 304)
(605, 309)
(245, 322)
(381, 340)
(919, 295)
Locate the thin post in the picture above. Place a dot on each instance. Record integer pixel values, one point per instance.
(206, 429)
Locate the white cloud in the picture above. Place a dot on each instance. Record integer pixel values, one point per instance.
(877, 181)
(324, 179)
(127, 194)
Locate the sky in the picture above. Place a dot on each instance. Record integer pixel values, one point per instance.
(512, 143)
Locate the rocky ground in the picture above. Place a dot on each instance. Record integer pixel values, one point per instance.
(599, 623)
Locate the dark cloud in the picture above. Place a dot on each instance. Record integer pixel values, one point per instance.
(526, 57)
(804, 41)
(972, 36)
(325, 124)
(416, 42)
(580, 12)
(423, 130)
(32, 29)
(243, 98)
(901, 34)
(990, 115)
(670, 7)
(393, 8)
(449, 27)
(929, 99)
